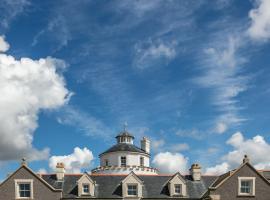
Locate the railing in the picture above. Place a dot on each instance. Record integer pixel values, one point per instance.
(124, 169)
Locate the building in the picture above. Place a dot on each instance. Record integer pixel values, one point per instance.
(125, 173)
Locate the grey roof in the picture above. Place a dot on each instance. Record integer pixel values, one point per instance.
(266, 174)
(124, 147)
(109, 186)
(124, 133)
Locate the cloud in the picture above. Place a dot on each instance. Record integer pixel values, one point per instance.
(256, 148)
(193, 133)
(9, 10)
(221, 127)
(27, 87)
(82, 121)
(218, 169)
(152, 53)
(222, 73)
(260, 21)
(75, 162)
(170, 162)
(4, 46)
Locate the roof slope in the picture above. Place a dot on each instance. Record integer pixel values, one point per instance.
(124, 147)
(109, 186)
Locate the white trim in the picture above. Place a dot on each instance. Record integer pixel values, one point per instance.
(246, 179)
(19, 181)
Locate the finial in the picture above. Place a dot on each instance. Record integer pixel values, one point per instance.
(125, 126)
(246, 159)
(24, 161)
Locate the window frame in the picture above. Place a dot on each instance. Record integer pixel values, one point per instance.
(83, 192)
(123, 164)
(17, 188)
(180, 187)
(142, 161)
(132, 185)
(252, 187)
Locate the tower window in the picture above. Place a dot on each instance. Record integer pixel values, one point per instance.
(106, 162)
(141, 161)
(123, 161)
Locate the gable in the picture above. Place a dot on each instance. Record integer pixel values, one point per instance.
(177, 179)
(132, 178)
(85, 179)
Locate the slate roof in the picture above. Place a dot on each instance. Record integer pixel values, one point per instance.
(109, 186)
(124, 147)
(266, 174)
(124, 133)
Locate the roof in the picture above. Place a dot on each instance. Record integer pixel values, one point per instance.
(124, 133)
(109, 186)
(124, 147)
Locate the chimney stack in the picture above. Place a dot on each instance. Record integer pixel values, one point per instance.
(60, 171)
(195, 172)
(145, 144)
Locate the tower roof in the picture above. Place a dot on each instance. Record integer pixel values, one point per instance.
(124, 134)
(124, 147)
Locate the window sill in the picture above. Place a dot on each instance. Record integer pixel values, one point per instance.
(246, 195)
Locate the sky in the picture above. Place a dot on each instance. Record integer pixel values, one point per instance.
(191, 75)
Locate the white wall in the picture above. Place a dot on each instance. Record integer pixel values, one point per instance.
(133, 159)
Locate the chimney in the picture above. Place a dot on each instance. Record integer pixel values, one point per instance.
(60, 171)
(145, 145)
(195, 172)
(246, 159)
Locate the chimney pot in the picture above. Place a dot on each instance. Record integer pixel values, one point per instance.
(195, 172)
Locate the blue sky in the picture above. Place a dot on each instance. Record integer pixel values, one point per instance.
(193, 76)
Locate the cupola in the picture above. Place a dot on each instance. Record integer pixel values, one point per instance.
(125, 136)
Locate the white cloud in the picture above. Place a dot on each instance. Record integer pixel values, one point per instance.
(9, 10)
(84, 122)
(150, 53)
(179, 147)
(4, 46)
(193, 133)
(260, 21)
(42, 171)
(170, 162)
(218, 169)
(256, 148)
(222, 73)
(220, 127)
(27, 86)
(75, 162)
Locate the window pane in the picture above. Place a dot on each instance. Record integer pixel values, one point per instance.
(24, 190)
(177, 189)
(123, 161)
(132, 190)
(246, 187)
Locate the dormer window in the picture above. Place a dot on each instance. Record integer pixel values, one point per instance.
(246, 186)
(123, 161)
(177, 189)
(132, 190)
(85, 189)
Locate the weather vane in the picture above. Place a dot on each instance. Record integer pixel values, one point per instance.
(125, 126)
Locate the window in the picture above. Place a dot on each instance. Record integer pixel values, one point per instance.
(246, 185)
(86, 189)
(141, 161)
(24, 188)
(123, 161)
(106, 162)
(178, 189)
(132, 190)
